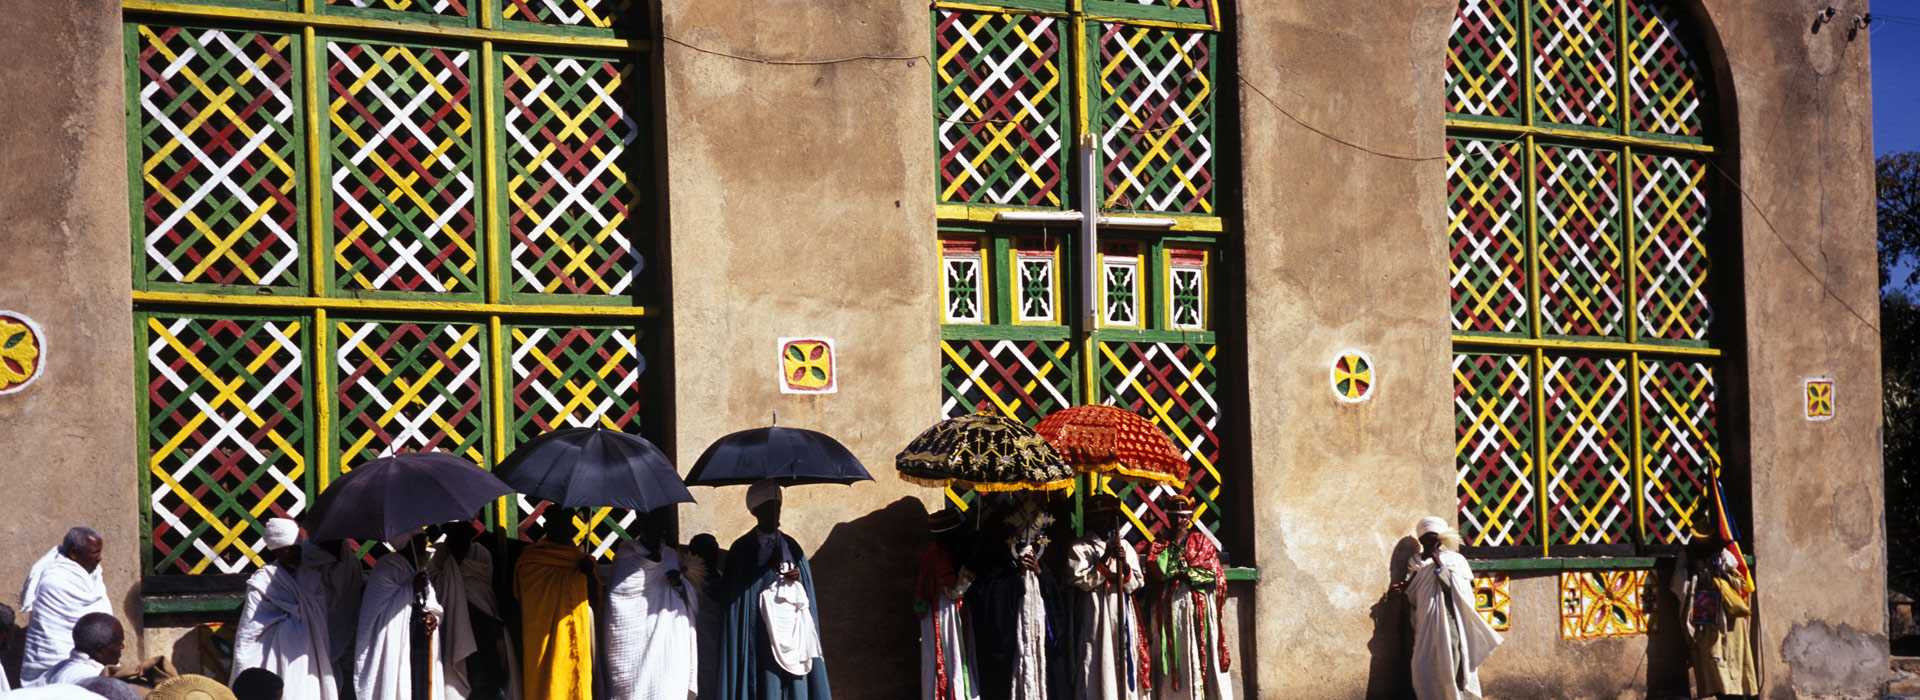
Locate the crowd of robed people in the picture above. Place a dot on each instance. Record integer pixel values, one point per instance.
(427, 622)
(1002, 615)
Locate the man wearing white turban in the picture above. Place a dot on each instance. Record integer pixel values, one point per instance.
(770, 645)
(1450, 640)
(283, 626)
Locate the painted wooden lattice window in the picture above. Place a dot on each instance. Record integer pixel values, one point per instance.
(1017, 84)
(1582, 237)
(364, 226)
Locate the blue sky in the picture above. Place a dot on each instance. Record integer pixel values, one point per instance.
(1896, 75)
(1896, 81)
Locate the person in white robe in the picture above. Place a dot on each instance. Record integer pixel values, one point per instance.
(344, 580)
(1108, 643)
(62, 587)
(1450, 640)
(488, 671)
(454, 641)
(98, 641)
(651, 642)
(947, 649)
(283, 624)
(398, 594)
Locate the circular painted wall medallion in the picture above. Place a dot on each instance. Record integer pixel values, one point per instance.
(1352, 376)
(23, 351)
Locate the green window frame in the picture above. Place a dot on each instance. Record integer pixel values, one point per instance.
(1582, 230)
(1051, 113)
(359, 227)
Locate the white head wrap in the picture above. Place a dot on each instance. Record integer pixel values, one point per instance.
(761, 492)
(281, 532)
(1430, 525)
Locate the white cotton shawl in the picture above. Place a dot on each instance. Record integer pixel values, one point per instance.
(382, 667)
(788, 614)
(283, 629)
(1107, 629)
(1450, 640)
(57, 594)
(651, 644)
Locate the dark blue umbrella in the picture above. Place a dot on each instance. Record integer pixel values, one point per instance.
(390, 496)
(789, 456)
(595, 468)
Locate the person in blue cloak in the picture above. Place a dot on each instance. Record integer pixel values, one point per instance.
(770, 644)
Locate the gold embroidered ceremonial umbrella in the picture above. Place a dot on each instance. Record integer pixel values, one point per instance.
(1114, 442)
(985, 452)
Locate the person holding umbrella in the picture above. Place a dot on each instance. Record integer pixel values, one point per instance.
(590, 468)
(651, 648)
(552, 580)
(399, 614)
(393, 499)
(770, 648)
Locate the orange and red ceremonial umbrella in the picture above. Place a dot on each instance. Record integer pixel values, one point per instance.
(1114, 442)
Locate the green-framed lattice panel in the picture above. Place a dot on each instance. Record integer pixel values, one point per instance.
(572, 202)
(1582, 246)
(1611, 323)
(404, 161)
(1664, 82)
(1671, 215)
(1680, 455)
(585, 17)
(1487, 237)
(1174, 381)
(1198, 13)
(1587, 404)
(1154, 92)
(1494, 449)
(1001, 108)
(1020, 373)
(225, 419)
(1483, 61)
(410, 385)
(455, 13)
(219, 177)
(1576, 63)
(574, 377)
(279, 153)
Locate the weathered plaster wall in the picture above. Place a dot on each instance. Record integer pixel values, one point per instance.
(1811, 296)
(801, 198)
(1345, 247)
(67, 439)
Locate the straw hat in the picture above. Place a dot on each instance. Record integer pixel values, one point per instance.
(191, 687)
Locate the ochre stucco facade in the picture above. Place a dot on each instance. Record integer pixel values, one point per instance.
(799, 200)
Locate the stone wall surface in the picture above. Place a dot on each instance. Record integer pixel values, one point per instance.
(800, 188)
(798, 183)
(68, 439)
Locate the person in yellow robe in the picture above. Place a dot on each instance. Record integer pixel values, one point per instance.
(552, 581)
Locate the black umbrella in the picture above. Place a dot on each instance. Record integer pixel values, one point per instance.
(790, 456)
(594, 468)
(387, 497)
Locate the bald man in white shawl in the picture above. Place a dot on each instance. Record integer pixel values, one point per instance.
(1450, 640)
(650, 648)
(397, 592)
(283, 626)
(64, 586)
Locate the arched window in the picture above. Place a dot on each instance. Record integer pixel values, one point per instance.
(1081, 240)
(1582, 237)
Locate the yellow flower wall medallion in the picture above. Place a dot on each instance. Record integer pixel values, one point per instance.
(807, 366)
(1819, 398)
(23, 351)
